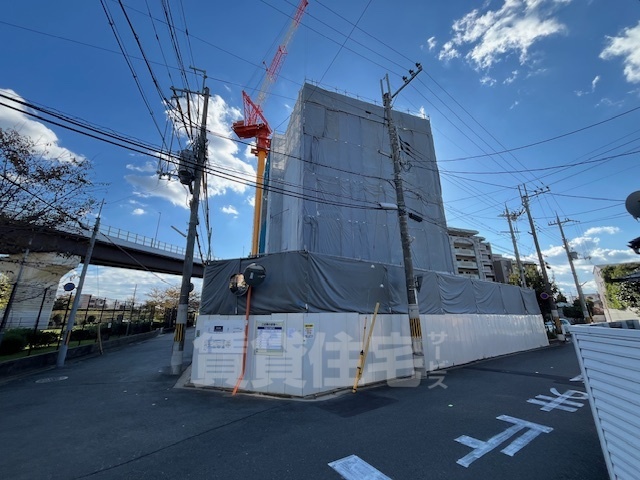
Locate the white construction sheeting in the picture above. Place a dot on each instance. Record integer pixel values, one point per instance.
(330, 187)
(610, 363)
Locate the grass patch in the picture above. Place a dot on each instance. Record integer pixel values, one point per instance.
(40, 351)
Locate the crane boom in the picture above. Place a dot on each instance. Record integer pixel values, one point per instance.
(278, 59)
(253, 115)
(255, 124)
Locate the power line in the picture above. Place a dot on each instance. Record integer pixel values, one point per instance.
(547, 140)
(130, 65)
(210, 169)
(555, 167)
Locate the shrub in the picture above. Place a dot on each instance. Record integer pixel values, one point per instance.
(41, 338)
(118, 328)
(87, 333)
(14, 341)
(139, 327)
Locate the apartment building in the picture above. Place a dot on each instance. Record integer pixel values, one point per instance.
(472, 254)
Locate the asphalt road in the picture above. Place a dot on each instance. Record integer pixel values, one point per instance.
(119, 416)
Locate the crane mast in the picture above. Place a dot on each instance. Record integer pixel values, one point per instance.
(255, 125)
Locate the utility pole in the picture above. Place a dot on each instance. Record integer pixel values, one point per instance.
(583, 303)
(512, 217)
(412, 297)
(62, 353)
(200, 154)
(133, 302)
(543, 265)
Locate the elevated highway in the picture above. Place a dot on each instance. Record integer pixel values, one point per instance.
(114, 247)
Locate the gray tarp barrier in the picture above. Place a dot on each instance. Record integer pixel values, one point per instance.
(488, 297)
(457, 294)
(529, 300)
(311, 282)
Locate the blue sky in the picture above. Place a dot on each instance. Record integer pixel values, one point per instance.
(498, 76)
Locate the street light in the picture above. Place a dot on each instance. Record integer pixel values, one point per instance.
(155, 238)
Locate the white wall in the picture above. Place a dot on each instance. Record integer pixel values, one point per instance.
(320, 351)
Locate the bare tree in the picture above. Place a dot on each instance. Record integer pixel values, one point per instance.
(164, 298)
(38, 190)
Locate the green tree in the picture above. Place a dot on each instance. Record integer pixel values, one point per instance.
(536, 282)
(61, 302)
(621, 295)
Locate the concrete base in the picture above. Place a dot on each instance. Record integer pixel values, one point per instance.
(41, 275)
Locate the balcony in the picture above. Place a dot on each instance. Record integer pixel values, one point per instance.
(467, 265)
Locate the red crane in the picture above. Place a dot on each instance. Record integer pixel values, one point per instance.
(255, 125)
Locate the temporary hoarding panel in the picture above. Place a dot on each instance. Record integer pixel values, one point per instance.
(610, 363)
(318, 352)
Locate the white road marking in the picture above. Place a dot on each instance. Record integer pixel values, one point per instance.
(560, 401)
(354, 468)
(481, 448)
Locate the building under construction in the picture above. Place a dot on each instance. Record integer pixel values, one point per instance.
(330, 250)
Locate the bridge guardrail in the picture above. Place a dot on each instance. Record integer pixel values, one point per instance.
(140, 239)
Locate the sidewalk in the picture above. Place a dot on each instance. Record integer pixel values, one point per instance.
(119, 416)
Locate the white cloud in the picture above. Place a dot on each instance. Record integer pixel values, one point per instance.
(626, 45)
(138, 211)
(588, 244)
(45, 139)
(448, 52)
(152, 186)
(512, 29)
(595, 230)
(487, 80)
(251, 200)
(514, 105)
(512, 78)
(247, 150)
(432, 43)
(423, 112)
(594, 82)
(147, 167)
(227, 171)
(120, 283)
(607, 102)
(229, 210)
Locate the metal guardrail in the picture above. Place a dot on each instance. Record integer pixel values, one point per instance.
(125, 235)
(140, 239)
